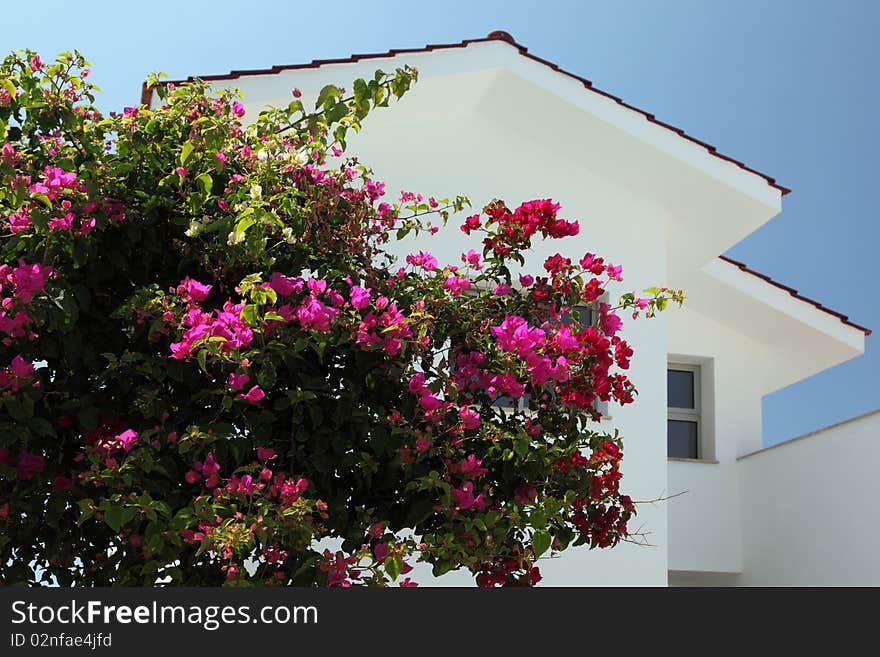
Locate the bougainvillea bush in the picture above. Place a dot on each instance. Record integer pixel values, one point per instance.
(211, 369)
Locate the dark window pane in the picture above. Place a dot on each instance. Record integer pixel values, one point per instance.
(681, 439)
(680, 389)
(504, 401)
(582, 313)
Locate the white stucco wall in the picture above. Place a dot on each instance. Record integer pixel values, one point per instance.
(704, 515)
(809, 508)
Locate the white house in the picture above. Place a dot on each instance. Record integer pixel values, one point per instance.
(489, 119)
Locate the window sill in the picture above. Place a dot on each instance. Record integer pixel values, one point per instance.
(680, 460)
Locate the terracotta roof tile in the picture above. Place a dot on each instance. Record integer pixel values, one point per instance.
(843, 318)
(497, 35)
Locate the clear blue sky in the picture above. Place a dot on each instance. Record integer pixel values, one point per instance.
(786, 86)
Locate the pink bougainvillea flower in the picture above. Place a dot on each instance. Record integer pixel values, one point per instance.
(360, 297)
(61, 483)
(253, 395)
(471, 223)
(428, 400)
(457, 284)
(265, 453)
(472, 258)
(470, 419)
(406, 583)
(238, 381)
(29, 465)
(609, 322)
(194, 290)
(422, 259)
(61, 223)
(525, 494)
(29, 280)
(20, 368)
(464, 498)
(283, 285)
(128, 438)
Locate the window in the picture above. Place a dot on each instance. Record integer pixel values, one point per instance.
(683, 422)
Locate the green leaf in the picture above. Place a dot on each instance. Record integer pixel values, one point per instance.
(393, 566)
(250, 314)
(202, 357)
(541, 542)
(42, 426)
(117, 517)
(329, 92)
(88, 509)
(186, 153)
(205, 182)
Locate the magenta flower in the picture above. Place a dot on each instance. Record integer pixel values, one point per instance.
(194, 290)
(609, 322)
(457, 284)
(317, 286)
(20, 368)
(472, 258)
(19, 221)
(265, 453)
(238, 381)
(417, 382)
(469, 467)
(181, 171)
(429, 401)
(35, 63)
(128, 438)
(253, 395)
(29, 280)
(360, 297)
(61, 483)
(470, 419)
(283, 285)
(526, 280)
(61, 223)
(407, 583)
(238, 109)
(29, 464)
(464, 498)
(422, 259)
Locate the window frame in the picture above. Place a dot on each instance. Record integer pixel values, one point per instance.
(694, 414)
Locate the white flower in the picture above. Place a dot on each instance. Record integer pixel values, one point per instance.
(235, 238)
(256, 192)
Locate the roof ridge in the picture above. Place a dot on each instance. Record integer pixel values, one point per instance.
(495, 35)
